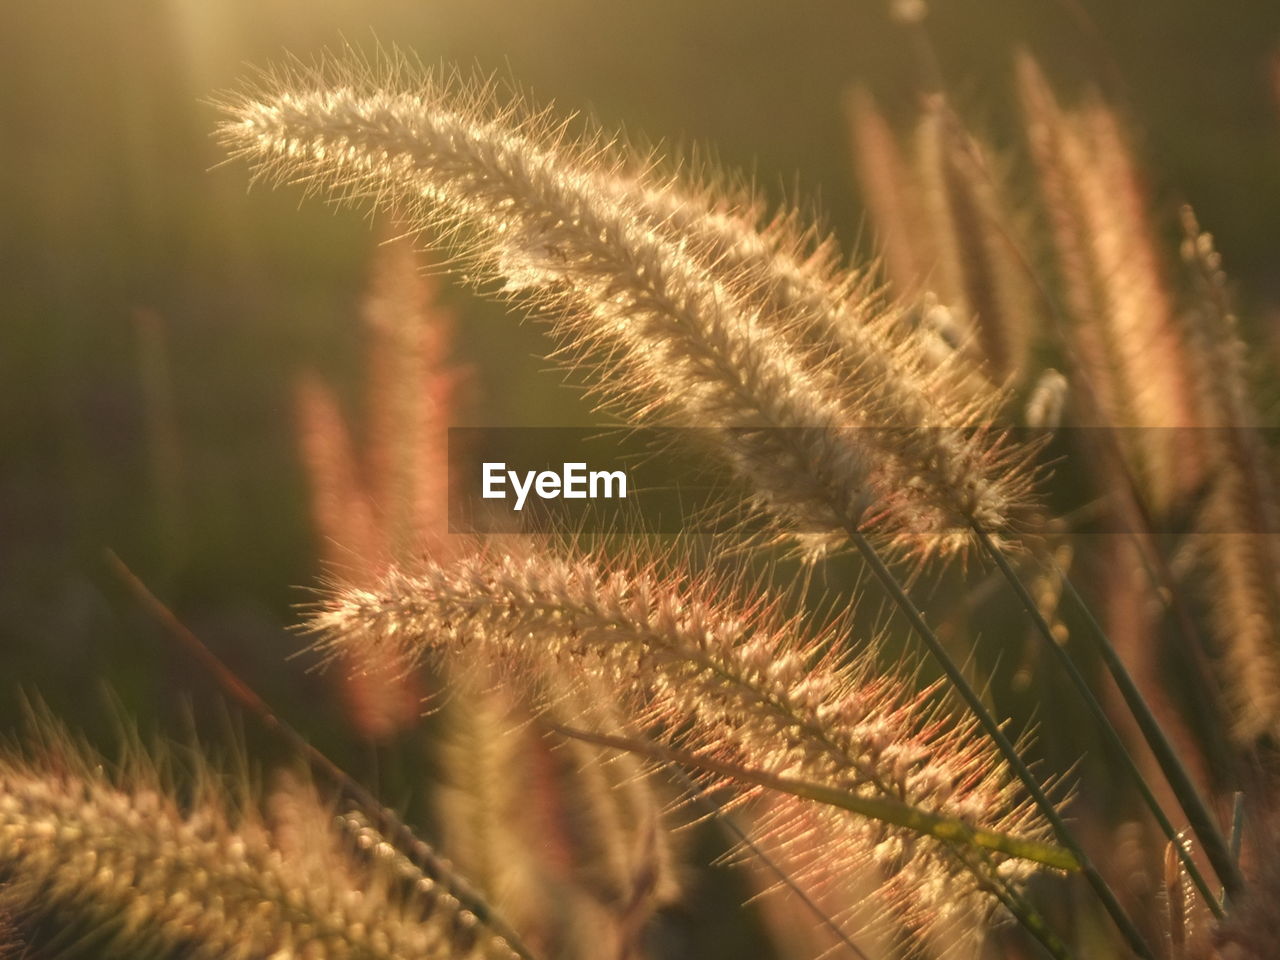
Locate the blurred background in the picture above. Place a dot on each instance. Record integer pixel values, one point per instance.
(157, 311)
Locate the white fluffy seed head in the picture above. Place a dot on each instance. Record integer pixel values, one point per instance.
(212, 877)
(727, 674)
(685, 300)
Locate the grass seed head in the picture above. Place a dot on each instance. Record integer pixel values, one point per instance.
(689, 306)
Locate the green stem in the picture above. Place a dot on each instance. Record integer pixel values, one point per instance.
(947, 829)
(970, 696)
(1202, 822)
(1100, 715)
(953, 832)
(1237, 834)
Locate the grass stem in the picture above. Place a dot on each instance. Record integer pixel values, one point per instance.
(1100, 715)
(907, 607)
(1237, 834)
(1198, 815)
(948, 829)
(955, 832)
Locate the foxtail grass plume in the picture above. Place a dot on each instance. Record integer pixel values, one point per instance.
(342, 514)
(484, 780)
(489, 806)
(726, 674)
(391, 503)
(946, 227)
(389, 500)
(212, 876)
(1240, 518)
(686, 305)
(610, 813)
(1134, 365)
(575, 836)
(569, 843)
(891, 195)
(413, 398)
(977, 272)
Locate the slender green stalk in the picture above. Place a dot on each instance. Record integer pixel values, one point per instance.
(1162, 579)
(992, 728)
(1100, 715)
(1198, 815)
(1085, 392)
(948, 829)
(904, 815)
(1237, 834)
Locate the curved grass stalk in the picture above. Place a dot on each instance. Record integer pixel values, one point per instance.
(1198, 815)
(1036, 92)
(1010, 753)
(948, 829)
(1173, 769)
